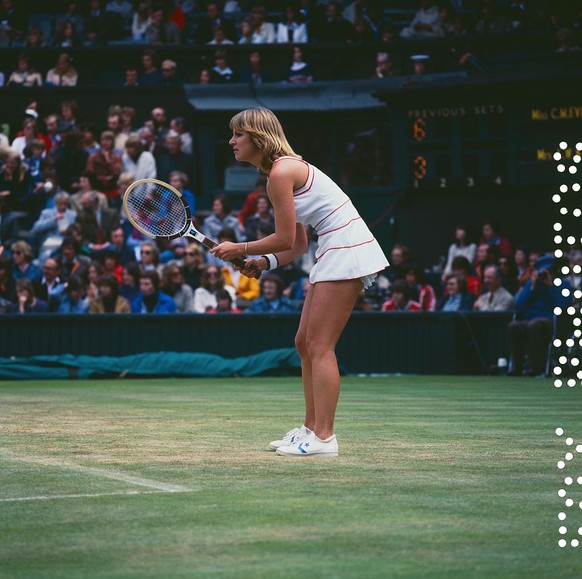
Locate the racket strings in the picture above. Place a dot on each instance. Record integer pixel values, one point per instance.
(156, 209)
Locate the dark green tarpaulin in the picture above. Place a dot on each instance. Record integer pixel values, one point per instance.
(281, 361)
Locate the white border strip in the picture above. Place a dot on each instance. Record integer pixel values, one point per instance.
(100, 472)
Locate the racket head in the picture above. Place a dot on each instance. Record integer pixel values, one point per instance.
(157, 209)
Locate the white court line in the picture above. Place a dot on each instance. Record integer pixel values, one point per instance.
(110, 474)
(79, 496)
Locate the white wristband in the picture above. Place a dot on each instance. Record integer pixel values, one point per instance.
(272, 261)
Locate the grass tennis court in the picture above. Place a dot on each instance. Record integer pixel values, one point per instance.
(437, 477)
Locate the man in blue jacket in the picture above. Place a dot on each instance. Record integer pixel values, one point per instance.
(151, 300)
(532, 329)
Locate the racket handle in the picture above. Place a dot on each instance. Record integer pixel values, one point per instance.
(238, 261)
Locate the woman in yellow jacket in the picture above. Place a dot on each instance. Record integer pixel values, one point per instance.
(247, 288)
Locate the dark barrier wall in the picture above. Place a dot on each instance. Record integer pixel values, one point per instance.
(431, 343)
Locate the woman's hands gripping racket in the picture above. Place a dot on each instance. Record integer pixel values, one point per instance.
(160, 211)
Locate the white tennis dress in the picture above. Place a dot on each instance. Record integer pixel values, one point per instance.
(346, 248)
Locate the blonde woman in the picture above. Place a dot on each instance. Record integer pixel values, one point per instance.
(348, 260)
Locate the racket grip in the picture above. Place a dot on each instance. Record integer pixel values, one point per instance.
(238, 261)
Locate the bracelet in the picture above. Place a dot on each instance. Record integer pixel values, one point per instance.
(246, 247)
(272, 260)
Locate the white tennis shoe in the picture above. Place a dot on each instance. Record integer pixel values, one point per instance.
(292, 436)
(310, 445)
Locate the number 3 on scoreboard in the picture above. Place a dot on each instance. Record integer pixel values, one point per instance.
(419, 167)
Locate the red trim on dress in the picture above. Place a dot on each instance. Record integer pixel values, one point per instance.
(318, 257)
(330, 214)
(340, 227)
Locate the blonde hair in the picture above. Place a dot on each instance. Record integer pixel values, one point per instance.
(266, 133)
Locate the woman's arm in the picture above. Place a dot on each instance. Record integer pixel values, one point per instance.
(284, 175)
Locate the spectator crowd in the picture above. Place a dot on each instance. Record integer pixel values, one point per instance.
(222, 25)
(66, 246)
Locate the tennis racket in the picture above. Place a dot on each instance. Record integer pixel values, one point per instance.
(160, 211)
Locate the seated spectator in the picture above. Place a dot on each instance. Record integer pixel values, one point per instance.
(149, 256)
(108, 300)
(24, 75)
(50, 228)
(566, 41)
(150, 73)
(493, 237)
(179, 180)
(334, 27)
(35, 39)
(484, 256)
(106, 165)
(249, 207)
(271, 299)
(90, 277)
(462, 266)
(129, 288)
(117, 243)
(291, 29)
(170, 75)
(109, 259)
(131, 76)
(67, 36)
(221, 71)
(7, 282)
(220, 218)
(210, 21)
(247, 289)
(420, 290)
(508, 272)
(264, 215)
(141, 21)
(90, 135)
(160, 30)
(51, 286)
(398, 262)
(95, 23)
(299, 71)
(456, 298)
(151, 300)
(9, 227)
(246, 31)
(193, 265)
(16, 183)
(219, 38)
(496, 298)
(28, 303)
(172, 251)
(69, 161)
(531, 332)
(174, 285)
(462, 245)
(73, 300)
(255, 72)
(14, 19)
(521, 262)
(174, 159)
(22, 257)
(362, 31)
(141, 164)
(178, 125)
(68, 120)
(87, 184)
(211, 282)
(263, 31)
(25, 138)
(63, 73)
(400, 299)
(384, 66)
(425, 23)
(223, 304)
(72, 262)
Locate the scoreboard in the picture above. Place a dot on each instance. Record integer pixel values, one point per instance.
(490, 145)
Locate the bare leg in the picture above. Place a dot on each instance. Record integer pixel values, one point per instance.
(325, 314)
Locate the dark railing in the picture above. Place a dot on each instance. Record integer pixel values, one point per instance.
(411, 343)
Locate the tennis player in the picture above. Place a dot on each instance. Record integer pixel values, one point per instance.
(348, 260)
